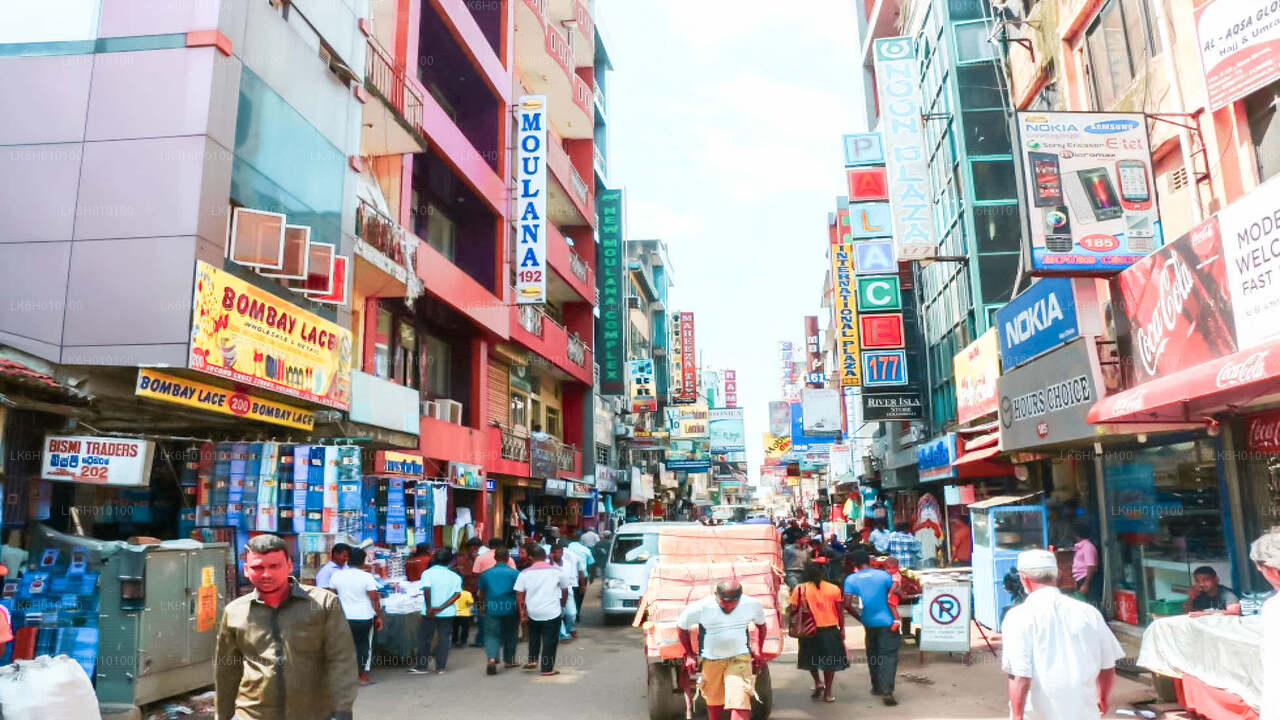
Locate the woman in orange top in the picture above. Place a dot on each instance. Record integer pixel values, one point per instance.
(825, 651)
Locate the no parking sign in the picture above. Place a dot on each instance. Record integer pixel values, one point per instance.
(947, 615)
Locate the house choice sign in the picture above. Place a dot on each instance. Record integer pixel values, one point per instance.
(1047, 400)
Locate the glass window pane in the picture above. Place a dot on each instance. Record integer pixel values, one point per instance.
(986, 132)
(972, 43)
(979, 86)
(440, 231)
(1135, 24)
(439, 362)
(382, 345)
(998, 273)
(999, 229)
(518, 406)
(966, 9)
(535, 414)
(994, 180)
(1261, 109)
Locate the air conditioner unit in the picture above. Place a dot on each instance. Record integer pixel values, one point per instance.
(441, 410)
(428, 408)
(453, 411)
(633, 303)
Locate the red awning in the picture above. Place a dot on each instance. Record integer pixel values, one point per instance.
(1194, 394)
(982, 463)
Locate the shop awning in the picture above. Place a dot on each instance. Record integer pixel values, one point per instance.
(1196, 393)
(1002, 500)
(982, 463)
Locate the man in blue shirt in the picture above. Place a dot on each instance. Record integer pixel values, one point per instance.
(440, 590)
(497, 602)
(879, 537)
(905, 547)
(871, 587)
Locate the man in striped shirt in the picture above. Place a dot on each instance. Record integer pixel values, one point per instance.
(905, 547)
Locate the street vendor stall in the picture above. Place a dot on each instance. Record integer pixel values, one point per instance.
(1213, 660)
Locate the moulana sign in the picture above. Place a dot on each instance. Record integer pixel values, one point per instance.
(531, 200)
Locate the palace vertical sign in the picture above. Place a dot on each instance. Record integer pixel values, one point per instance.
(531, 200)
(845, 314)
(900, 108)
(611, 353)
(688, 360)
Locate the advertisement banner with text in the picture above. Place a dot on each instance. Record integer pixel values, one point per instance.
(728, 433)
(169, 388)
(612, 348)
(688, 359)
(643, 395)
(816, 366)
(532, 122)
(844, 304)
(977, 368)
(1239, 47)
(1037, 321)
(1046, 401)
(902, 121)
(1090, 203)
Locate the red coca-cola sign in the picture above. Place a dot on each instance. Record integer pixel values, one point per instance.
(1178, 306)
(1263, 433)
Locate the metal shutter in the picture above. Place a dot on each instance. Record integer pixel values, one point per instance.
(499, 393)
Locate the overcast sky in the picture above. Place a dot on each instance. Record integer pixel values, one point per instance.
(725, 133)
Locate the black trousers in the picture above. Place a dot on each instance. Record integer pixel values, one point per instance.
(579, 594)
(435, 629)
(544, 639)
(461, 630)
(882, 658)
(362, 634)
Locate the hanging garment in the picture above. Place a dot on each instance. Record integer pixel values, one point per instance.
(440, 500)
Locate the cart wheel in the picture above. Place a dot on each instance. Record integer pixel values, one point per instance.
(761, 709)
(663, 693)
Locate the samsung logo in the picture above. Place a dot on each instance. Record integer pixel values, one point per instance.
(1109, 127)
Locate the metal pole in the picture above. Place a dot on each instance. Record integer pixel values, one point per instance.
(1235, 505)
(1104, 526)
(1184, 135)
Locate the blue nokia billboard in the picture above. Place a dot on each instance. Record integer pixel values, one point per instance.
(1037, 321)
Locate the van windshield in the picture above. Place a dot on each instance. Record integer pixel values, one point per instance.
(634, 549)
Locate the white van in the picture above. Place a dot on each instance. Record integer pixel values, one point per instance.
(626, 572)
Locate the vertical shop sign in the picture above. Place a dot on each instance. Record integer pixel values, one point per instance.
(863, 149)
(611, 352)
(898, 87)
(688, 359)
(845, 315)
(1239, 47)
(676, 360)
(731, 388)
(643, 398)
(815, 369)
(531, 200)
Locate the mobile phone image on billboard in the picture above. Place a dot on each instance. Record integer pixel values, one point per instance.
(1048, 179)
(1135, 191)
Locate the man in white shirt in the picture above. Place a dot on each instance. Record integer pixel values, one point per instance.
(541, 592)
(571, 566)
(441, 588)
(729, 662)
(1265, 553)
(929, 544)
(338, 557)
(357, 590)
(1058, 652)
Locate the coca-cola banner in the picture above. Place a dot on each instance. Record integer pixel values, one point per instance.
(1178, 305)
(1262, 433)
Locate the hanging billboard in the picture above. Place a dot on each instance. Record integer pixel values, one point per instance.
(731, 388)
(1250, 230)
(1088, 195)
(779, 418)
(815, 370)
(845, 314)
(688, 360)
(1239, 47)
(902, 123)
(1046, 401)
(977, 368)
(612, 348)
(531, 200)
(821, 411)
(901, 404)
(643, 396)
(1037, 321)
(728, 434)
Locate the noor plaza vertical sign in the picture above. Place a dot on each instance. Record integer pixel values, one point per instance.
(531, 200)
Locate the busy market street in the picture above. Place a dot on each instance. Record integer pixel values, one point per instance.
(640, 359)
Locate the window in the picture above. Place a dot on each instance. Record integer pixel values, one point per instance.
(441, 231)
(535, 414)
(395, 348)
(999, 229)
(994, 180)
(602, 454)
(382, 345)
(519, 410)
(1260, 108)
(998, 273)
(553, 422)
(972, 42)
(634, 549)
(1120, 41)
(439, 363)
(406, 355)
(986, 132)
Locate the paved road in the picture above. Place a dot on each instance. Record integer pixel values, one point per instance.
(603, 676)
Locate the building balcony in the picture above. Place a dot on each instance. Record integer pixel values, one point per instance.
(444, 440)
(570, 200)
(391, 118)
(456, 288)
(598, 98)
(532, 328)
(546, 63)
(508, 451)
(572, 279)
(575, 17)
(384, 255)
(569, 462)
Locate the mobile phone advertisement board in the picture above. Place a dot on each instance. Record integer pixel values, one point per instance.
(1088, 191)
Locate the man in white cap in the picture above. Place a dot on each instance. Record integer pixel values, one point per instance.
(1058, 652)
(1265, 553)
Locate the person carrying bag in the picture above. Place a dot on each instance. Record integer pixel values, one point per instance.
(814, 617)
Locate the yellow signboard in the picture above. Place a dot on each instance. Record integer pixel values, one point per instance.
(181, 391)
(844, 309)
(776, 447)
(246, 334)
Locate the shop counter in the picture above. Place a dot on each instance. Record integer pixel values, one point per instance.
(401, 617)
(1213, 659)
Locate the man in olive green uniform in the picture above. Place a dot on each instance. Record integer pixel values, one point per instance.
(284, 650)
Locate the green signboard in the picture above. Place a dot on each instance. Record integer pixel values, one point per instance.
(878, 293)
(611, 350)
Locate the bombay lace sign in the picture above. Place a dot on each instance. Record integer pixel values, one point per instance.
(531, 200)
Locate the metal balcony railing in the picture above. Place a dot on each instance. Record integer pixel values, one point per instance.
(577, 351)
(514, 446)
(579, 186)
(598, 97)
(383, 233)
(390, 79)
(578, 266)
(531, 319)
(599, 159)
(564, 457)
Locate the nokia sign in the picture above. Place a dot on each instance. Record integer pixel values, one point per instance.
(1037, 321)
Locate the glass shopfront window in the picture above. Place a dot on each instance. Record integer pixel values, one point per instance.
(1166, 515)
(1259, 468)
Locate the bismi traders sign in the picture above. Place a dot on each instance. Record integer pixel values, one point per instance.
(181, 391)
(1046, 401)
(901, 117)
(246, 334)
(1239, 47)
(97, 460)
(612, 348)
(1091, 204)
(531, 200)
